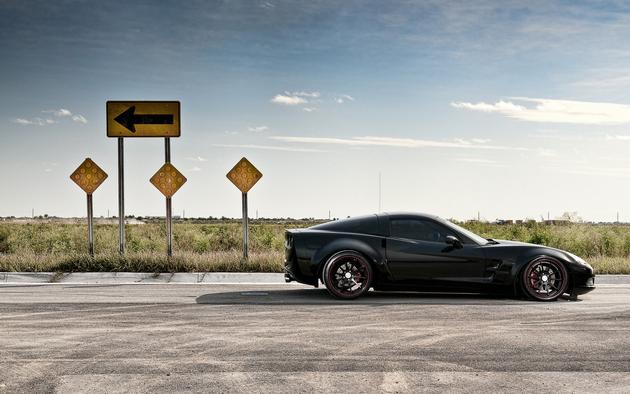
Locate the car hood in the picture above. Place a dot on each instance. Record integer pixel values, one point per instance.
(505, 242)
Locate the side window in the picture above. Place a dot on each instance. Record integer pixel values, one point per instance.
(421, 230)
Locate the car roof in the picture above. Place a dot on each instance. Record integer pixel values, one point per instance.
(410, 215)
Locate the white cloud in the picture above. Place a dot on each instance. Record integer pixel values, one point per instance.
(555, 111)
(618, 137)
(545, 152)
(258, 129)
(472, 141)
(288, 100)
(296, 98)
(607, 172)
(268, 147)
(194, 169)
(343, 98)
(304, 94)
(198, 158)
(34, 121)
(475, 160)
(389, 142)
(79, 119)
(23, 121)
(309, 109)
(59, 113)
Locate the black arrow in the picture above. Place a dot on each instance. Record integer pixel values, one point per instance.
(129, 119)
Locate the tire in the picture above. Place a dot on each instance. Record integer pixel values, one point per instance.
(544, 279)
(347, 275)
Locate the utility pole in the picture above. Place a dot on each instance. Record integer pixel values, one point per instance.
(617, 216)
(478, 216)
(329, 214)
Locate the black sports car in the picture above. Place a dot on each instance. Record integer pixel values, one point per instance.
(403, 251)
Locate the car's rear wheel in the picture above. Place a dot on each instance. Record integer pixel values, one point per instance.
(544, 279)
(347, 275)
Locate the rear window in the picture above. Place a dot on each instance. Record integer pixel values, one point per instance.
(360, 225)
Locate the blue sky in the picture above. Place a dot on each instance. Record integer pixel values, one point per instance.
(512, 109)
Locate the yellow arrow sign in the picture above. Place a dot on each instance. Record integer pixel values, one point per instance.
(143, 119)
(244, 175)
(88, 176)
(168, 180)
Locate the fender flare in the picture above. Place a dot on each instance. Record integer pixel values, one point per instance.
(523, 259)
(374, 257)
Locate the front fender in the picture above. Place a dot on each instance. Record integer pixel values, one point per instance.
(530, 254)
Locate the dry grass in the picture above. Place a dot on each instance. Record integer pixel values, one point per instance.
(214, 247)
(222, 261)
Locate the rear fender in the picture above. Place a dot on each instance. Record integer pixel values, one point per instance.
(321, 256)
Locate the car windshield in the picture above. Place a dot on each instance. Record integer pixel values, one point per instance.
(474, 237)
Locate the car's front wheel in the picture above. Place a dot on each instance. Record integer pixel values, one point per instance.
(347, 275)
(544, 279)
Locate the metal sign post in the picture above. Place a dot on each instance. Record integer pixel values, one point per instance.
(121, 196)
(168, 180)
(89, 177)
(245, 228)
(169, 210)
(244, 176)
(140, 119)
(90, 221)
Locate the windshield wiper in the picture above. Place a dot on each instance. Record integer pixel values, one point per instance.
(491, 241)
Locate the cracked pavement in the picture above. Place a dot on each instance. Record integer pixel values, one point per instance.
(292, 338)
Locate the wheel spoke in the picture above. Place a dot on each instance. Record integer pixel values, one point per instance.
(349, 275)
(545, 279)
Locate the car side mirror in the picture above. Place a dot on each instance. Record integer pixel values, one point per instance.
(453, 241)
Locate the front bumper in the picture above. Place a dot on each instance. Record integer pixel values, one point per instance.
(583, 286)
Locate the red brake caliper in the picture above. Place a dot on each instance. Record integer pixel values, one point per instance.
(533, 278)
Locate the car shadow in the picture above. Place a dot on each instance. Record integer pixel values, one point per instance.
(322, 297)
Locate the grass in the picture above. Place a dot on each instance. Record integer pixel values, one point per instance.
(216, 246)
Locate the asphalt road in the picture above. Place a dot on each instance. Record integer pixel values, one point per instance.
(289, 338)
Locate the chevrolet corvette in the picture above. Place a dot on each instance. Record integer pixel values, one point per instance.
(419, 252)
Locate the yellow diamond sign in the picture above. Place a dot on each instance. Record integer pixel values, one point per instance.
(168, 180)
(88, 176)
(244, 175)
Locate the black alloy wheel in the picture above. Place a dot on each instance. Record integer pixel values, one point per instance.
(544, 279)
(347, 275)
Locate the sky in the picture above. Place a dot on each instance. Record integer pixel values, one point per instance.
(503, 109)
